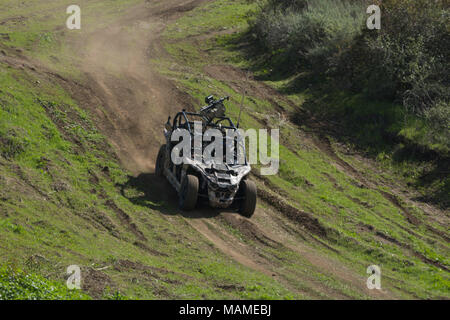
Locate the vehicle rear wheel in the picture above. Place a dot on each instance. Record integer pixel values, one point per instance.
(159, 166)
(248, 205)
(189, 192)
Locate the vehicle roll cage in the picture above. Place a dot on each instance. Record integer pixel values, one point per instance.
(213, 123)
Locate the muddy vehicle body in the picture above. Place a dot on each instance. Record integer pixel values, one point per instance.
(221, 184)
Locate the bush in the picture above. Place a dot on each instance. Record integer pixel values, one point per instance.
(438, 119)
(307, 31)
(407, 60)
(18, 285)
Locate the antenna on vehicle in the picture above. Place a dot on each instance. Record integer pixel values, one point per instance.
(242, 101)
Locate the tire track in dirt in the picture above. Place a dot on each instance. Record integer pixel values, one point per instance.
(325, 265)
(230, 250)
(125, 219)
(245, 255)
(395, 198)
(264, 234)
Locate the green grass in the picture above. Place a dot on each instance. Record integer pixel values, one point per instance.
(15, 284)
(217, 16)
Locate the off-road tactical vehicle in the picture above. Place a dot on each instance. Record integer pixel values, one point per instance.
(221, 183)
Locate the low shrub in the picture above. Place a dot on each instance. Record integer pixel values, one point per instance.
(18, 285)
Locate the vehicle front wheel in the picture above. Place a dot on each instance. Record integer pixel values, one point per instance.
(248, 204)
(159, 166)
(189, 192)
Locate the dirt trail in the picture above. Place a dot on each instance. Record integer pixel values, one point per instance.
(132, 102)
(135, 98)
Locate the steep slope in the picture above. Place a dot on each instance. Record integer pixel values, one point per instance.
(66, 200)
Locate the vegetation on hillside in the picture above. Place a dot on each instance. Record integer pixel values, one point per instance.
(387, 89)
(16, 284)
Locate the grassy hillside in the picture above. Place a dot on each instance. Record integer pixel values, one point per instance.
(66, 199)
